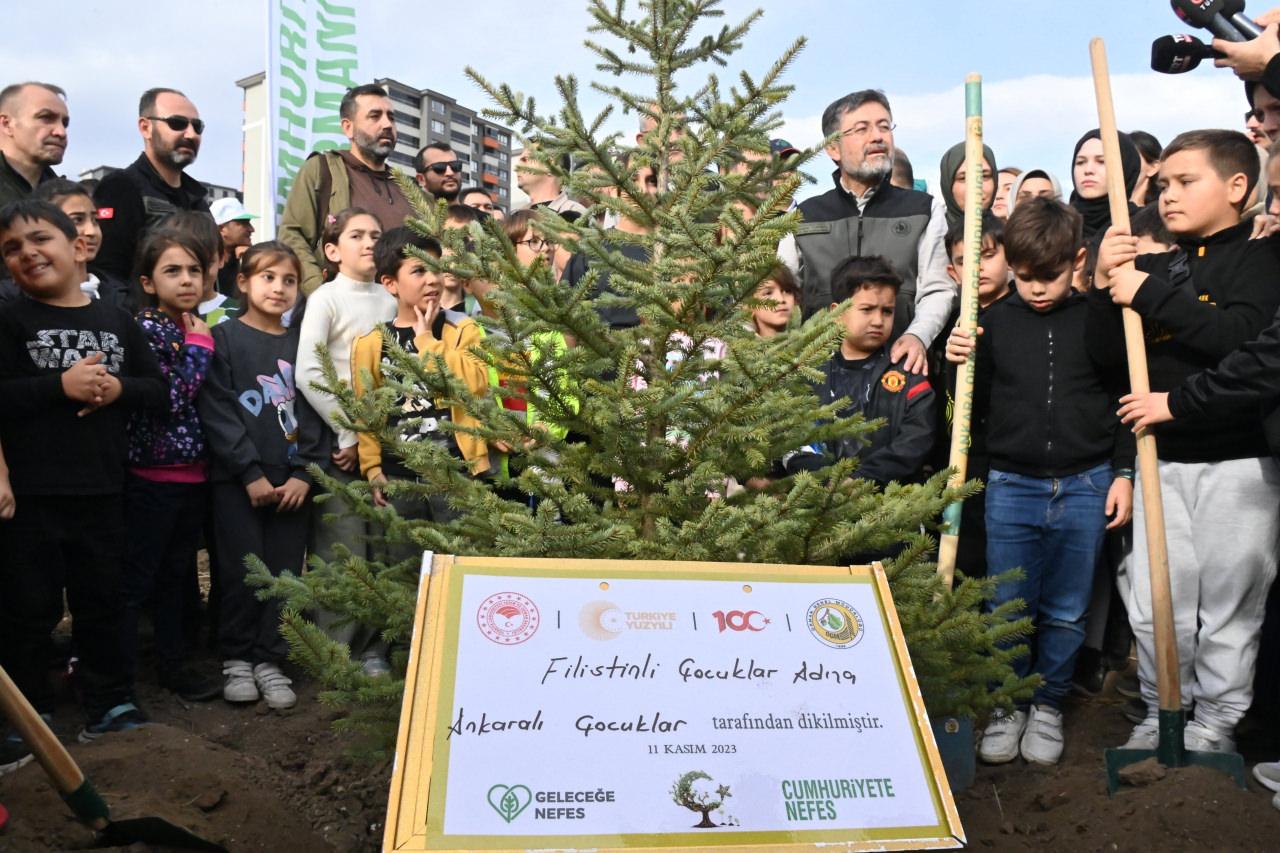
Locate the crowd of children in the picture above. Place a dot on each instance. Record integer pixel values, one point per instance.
(143, 419)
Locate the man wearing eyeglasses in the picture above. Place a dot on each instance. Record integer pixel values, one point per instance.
(864, 214)
(156, 184)
(439, 171)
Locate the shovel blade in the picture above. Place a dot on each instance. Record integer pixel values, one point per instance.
(1229, 763)
(153, 830)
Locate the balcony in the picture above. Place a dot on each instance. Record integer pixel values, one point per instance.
(490, 178)
(491, 143)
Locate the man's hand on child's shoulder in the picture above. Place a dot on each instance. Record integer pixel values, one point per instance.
(960, 345)
(1118, 248)
(911, 351)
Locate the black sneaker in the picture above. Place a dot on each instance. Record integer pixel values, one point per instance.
(190, 684)
(13, 754)
(121, 718)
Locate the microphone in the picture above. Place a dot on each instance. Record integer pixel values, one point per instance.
(1208, 15)
(1179, 54)
(1234, 10)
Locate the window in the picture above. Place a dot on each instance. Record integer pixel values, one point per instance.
(437, 108)
(402, 159)
(406, 138)
(457, 136)
(404, 98)
(437, 126)
(504, 175)
(461, 118)
(505, 139)
(465, 158)
(503, 158)
(502, 192)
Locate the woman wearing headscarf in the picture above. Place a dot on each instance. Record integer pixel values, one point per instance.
(953, 182)
(1089, 177)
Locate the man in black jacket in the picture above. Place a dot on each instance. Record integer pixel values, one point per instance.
(156, 184)
(33, 137)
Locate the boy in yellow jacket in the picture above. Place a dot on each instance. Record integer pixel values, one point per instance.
(420, 326)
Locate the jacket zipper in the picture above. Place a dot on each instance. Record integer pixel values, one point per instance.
(1049, 402)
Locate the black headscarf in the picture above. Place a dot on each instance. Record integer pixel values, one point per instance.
(1097, 211)
(951, 163)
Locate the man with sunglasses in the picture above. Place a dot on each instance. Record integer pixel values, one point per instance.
(155, 185)
(439, 171)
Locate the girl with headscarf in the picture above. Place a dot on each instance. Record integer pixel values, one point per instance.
(952, 186)
(1089, 177)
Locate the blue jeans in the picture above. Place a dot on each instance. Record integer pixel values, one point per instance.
(1051, 528)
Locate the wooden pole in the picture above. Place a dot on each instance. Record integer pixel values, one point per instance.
(962, 413)
(1167, 678)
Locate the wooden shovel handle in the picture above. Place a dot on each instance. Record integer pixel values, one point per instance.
(1167, 678)
(42, 742)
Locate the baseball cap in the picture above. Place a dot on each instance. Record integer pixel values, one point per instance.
(782, 148)
(226, 210)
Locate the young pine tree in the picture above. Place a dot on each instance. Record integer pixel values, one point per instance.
(642, 432)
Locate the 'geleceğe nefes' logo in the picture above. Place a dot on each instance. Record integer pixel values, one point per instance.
(507, 618)
(834, 623)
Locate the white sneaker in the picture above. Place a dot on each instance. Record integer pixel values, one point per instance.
(274, 685)
(1268, 775)
(1000, 740)
(239, 686)
(1145, 735)
(1042, 741)
(1200, 737)
(374, 665)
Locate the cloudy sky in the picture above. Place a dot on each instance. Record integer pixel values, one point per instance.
(1033, 55)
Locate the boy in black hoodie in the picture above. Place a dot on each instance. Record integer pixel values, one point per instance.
(1060, 464)
(1199, 303)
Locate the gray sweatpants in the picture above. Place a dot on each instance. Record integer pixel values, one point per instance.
(337, 524)
(1222, 520)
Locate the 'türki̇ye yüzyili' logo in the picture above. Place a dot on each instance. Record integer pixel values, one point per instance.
(604, 620)
(834, 623)
(507, 618)
(509, 800)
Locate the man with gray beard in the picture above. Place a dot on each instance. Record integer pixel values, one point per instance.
(864, 215)
(155, 185)
(332, 181)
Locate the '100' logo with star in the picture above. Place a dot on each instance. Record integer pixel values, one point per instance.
(507, 618)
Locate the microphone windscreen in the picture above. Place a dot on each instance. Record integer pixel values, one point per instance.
(1177, 54)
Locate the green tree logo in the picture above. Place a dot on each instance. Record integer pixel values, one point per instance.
(698, 792)
(509, 800)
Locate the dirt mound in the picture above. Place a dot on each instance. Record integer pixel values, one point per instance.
(1022, 807)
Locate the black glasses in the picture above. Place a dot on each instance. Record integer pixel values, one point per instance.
(535, 244)
(180, 123)
(441, 168)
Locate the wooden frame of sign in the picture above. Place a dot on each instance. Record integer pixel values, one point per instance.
(614, 705)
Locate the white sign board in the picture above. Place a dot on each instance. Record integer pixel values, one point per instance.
(579, 704)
